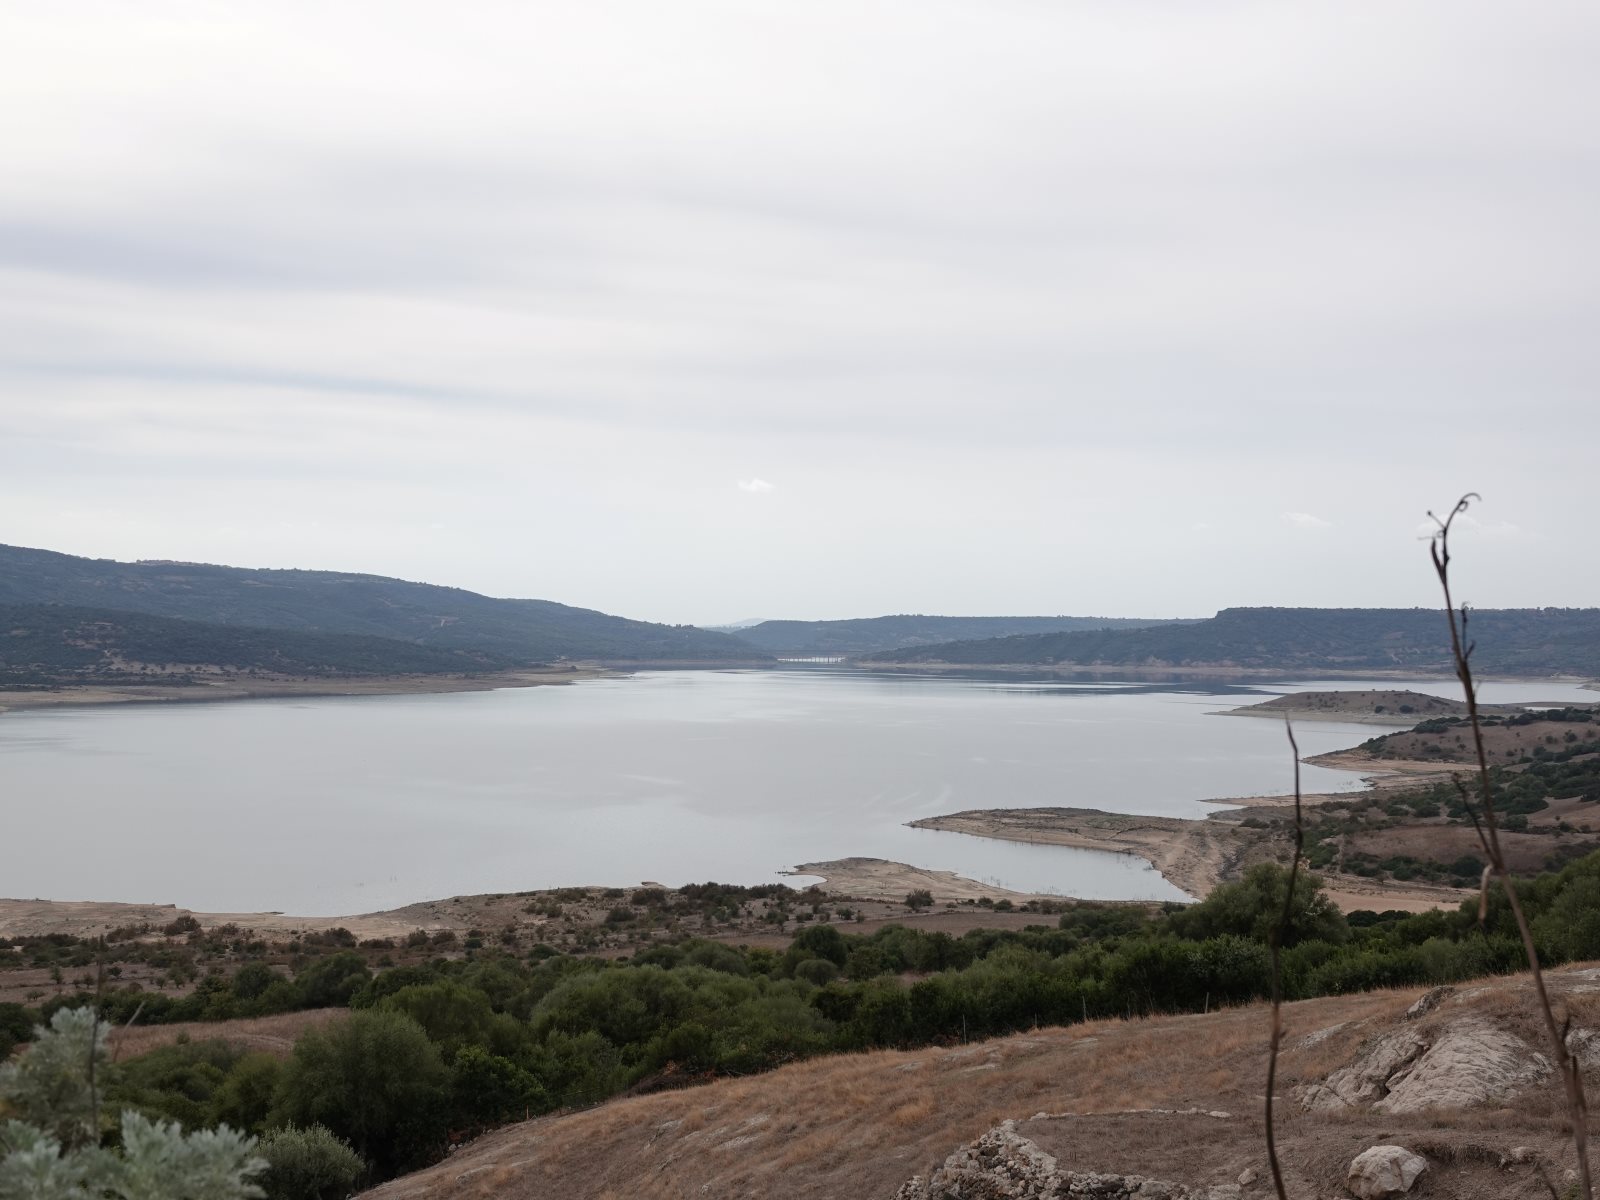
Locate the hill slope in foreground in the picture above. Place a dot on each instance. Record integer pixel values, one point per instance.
(1174, 1099)
(1510, 641)
(515, 632)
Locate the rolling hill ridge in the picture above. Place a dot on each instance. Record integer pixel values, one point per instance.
(504, 632)
(868, 635)
(1519, 641)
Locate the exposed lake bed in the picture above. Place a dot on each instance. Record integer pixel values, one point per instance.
(345, 805)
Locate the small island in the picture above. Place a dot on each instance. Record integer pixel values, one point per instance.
(1362, 708)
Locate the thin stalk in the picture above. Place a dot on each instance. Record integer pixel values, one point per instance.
(94, 1040)
(1488, 827)
(1275, 945)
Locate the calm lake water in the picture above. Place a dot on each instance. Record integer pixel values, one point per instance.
(334, 806)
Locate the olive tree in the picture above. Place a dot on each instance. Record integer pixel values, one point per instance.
(50, 1145)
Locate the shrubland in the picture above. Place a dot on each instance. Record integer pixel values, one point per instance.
(435, 1050)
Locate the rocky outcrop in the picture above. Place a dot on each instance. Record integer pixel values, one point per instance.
(1383, 1172)
(1469, 1062)
(1004, 1165)
(1365, 1081)
(1427, 1002)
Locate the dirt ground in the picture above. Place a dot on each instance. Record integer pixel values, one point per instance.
(1503, 743)
(1178, 1098)
(1525, 852)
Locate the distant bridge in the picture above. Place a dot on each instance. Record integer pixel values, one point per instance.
(820, 660)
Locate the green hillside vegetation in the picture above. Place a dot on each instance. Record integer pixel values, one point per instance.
(1514, 641)
(513, 631)
(867, 635)
(47, 645)
(454, 1045)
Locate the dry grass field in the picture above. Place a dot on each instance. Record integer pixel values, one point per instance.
(1173, 1097)
(275, 1035)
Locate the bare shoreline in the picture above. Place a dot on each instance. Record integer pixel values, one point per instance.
(225, 688)
(1147, 671)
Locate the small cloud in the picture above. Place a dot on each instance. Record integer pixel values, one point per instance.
(758, 486)
(1467, 523)
(1306, 521)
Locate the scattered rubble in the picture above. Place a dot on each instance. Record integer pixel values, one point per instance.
(1004, 1165)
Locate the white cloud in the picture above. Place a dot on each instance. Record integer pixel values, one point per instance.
(1304, 520)
(1467, 523)
(364, 264)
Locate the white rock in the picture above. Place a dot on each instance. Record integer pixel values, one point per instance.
(1248, 1176)
(1471, 1063)
(1365, 1080)
(1384, 1171)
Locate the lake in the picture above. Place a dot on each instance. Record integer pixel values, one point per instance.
(344, 805)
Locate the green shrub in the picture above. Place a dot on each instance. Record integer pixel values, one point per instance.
(308, 1164)
(331, 982)
(375, 1080)
(816, 971)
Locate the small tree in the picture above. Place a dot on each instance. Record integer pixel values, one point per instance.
(374, 1079)
(919, 899)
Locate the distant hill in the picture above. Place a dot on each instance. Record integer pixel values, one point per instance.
(51, 644)
(510, 631)
(1511, 641)
(867, 635)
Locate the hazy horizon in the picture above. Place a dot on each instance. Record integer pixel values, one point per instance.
(810, 311)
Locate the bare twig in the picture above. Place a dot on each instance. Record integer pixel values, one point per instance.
(116, 1050)
(94, 1038)
(1487, 823)
(1275, 945)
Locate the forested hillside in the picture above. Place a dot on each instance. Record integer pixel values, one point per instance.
(867, 635)
(516, 631)
(1520, 641)
(51, 643)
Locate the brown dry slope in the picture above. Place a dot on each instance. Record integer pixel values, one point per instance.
(1171, 1098)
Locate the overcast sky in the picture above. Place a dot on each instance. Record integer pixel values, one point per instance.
(707, 311)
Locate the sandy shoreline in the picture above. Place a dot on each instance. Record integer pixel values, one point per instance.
(237, 688)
